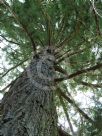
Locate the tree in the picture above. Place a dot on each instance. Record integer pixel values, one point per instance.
(64, 42)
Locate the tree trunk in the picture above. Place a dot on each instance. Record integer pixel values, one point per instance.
(28, 107)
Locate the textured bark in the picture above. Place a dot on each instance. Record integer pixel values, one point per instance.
(28, 107)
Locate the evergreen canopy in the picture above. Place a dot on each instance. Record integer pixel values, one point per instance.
(74, 29)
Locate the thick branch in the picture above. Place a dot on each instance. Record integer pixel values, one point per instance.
(98, 66)
(60, 69)
(5, 88)
(30, 37)
(75, 105)
(49, 30)
(10, 84)
(2, 91)
(62, 132)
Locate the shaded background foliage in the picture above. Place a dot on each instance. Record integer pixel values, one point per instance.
(74, 28)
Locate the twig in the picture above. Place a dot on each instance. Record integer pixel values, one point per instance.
(70, 37)
(91, 85)
(13, 68)
(69, 55)
(9, 40)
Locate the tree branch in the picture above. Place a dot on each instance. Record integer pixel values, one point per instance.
(60, 69)
(97, 23)
(59, 52)
(30, 37)
(13, 68)
(59, 55)
(9, 40)
(60, 45)
(68, 38)
(3, 90)
(74, 105)
(96, 14)
(69, 55)
(91, 85)
(98, 66)
(67, 115)
(62, 132)
(20, 23)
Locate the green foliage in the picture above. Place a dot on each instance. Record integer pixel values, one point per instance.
(90, 129)
(71, 23)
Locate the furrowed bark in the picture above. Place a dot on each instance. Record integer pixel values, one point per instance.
(28, 108)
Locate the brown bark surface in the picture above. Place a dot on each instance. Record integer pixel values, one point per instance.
(28, 107)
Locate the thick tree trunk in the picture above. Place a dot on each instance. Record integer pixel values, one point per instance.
(28, 107)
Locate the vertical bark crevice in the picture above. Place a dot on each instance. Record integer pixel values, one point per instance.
(28, 108)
